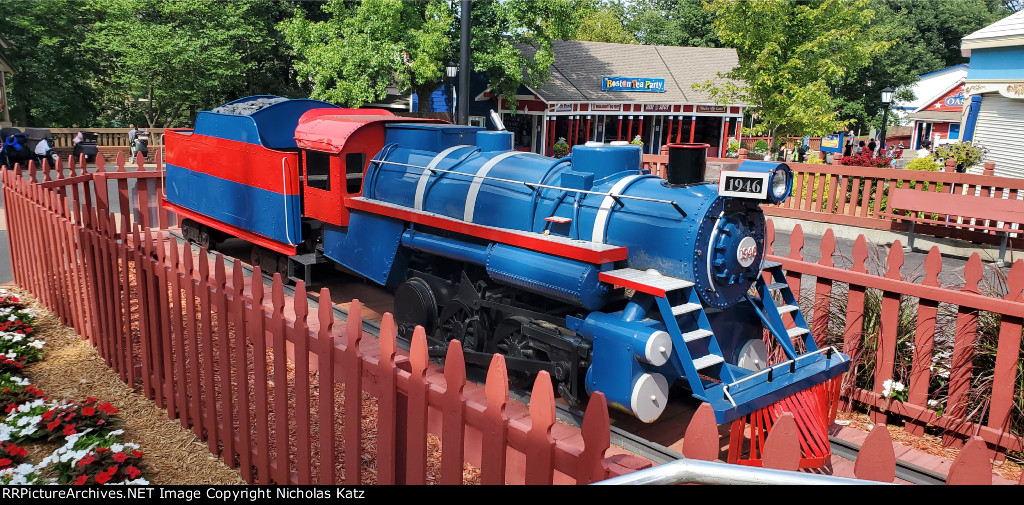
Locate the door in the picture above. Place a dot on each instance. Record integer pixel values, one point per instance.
(323, 188)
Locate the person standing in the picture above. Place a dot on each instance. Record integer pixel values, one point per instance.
(871, 147)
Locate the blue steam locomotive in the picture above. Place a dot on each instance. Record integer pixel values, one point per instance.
(609, 278)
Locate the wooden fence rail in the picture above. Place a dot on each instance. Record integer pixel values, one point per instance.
(283, 392)
(937, 356)
(857, 196)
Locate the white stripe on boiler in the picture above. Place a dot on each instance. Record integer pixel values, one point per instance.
(474, 187)
(601, 220)
(421, 185)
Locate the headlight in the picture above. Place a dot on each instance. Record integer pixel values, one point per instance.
(780, 185)
(779, 178)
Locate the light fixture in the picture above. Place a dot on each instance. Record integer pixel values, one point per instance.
(887, 95)
(451, 69)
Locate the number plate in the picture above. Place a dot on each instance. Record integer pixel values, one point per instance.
(743, 185)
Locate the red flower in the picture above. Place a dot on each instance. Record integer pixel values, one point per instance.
(133, 472)
(81, 480)
(120, 457)
(112, 469)
(11, 407)
(7, 390)
(102, 478)
(107, 408)
(103, 449)
(138, 454)
(50, 426)
(15, 450)
(91, 400)
(47, 415)
(69, 430)
(88, 411)
(86, 460)
(5, 462)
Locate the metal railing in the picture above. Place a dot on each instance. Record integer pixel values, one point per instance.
(692, 471)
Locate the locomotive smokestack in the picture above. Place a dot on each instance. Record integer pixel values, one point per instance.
(686, 164)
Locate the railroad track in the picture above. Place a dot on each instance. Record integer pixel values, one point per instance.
(636, 444)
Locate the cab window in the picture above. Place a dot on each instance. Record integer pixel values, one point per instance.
(354, 163)
(318, 170)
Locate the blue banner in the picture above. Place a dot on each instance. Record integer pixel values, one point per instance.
(832, 143)
(646, 84)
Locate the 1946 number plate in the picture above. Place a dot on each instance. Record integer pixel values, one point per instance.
(743, 185)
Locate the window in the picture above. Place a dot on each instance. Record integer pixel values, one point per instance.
(318, 170)
(354, 163)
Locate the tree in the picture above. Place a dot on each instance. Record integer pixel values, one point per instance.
(360, 48)
(52, 83)
(926, 37)
(672, 23)
(162, 61)
(789, 54)
(605, 25)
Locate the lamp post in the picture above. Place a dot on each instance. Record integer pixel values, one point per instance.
(450, 70)
(886, 101)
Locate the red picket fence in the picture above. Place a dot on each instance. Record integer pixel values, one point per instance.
(292, 397)
(946, 333)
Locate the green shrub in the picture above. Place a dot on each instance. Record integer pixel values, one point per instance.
(561, 148)
(759, 150)
(966, 154)
(924, 165)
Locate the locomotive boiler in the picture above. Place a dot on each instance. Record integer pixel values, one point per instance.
(609, 278)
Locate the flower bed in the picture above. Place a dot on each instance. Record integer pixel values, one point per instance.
(92, 449)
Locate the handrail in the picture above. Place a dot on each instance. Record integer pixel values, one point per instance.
(692, 471)
(533, 186)
(770, 370)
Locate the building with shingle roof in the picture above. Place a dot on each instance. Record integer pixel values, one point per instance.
(607, 92)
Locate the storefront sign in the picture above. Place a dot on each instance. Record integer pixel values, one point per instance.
(832, 143)
(563, 107)
(955, 101)
(605, 107)
(657, 108)
(710, 108)
(646, 84)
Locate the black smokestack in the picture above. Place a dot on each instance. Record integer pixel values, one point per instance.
(686, 164)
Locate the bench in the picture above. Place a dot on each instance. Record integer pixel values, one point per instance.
(992, 210)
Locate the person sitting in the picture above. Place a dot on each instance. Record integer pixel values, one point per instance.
(860, 148)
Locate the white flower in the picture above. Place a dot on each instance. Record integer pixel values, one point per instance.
(21, 381)
(116, 447)
(887, 388)
(117, 432)
(933, 403)
(38, 344)
(898, 386)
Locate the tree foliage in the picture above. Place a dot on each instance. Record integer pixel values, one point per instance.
(605, 24)
(162, 61)
(672, 23)
(51, 84)
(357, 50)
(926, 37)
(789, 53)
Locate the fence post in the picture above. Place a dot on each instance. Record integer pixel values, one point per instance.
(885, 353)
(990, 168)
(741, 154)
(961, 367)
(950, 165)
(877, 459)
